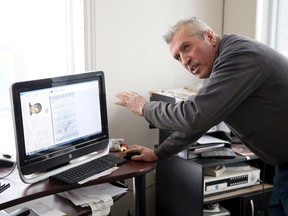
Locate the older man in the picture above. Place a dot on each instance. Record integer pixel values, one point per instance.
(245, 85)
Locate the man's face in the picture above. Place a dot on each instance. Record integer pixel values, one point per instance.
(195, 53)
(34, 109)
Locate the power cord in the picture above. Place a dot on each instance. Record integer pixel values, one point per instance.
(9, 173)
(262, 210)
(263, 189)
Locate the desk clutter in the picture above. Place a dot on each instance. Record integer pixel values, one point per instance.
(98, 197)
(209, 146)
(214, 209)
(39, 209)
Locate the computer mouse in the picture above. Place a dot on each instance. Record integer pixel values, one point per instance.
(4, 162)
(130, 154)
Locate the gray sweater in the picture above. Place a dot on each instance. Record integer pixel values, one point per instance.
(247, 89)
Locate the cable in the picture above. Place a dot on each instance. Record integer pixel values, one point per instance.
(9, 173)
(263, 189)
(261, 211)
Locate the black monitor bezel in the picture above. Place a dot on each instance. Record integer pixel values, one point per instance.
(78, 148)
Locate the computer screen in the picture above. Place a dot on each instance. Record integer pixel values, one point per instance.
(59, 119)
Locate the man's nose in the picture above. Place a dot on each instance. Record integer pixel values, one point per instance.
(185, 60)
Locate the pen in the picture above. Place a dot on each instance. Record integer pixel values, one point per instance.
(4, 187)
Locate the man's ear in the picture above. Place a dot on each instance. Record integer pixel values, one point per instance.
(211, 36)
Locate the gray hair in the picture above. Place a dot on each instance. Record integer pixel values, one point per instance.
(196, 27)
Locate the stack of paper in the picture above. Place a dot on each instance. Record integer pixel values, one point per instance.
(98, 197)
(178, 94)
(42, 209)
(242, 149)
(204, 144)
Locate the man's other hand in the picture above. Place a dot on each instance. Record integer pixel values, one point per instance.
(132, 101)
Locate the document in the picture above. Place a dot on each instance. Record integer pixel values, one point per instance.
(44, 210)
(204, 144)
(179, 94)
(207, 139)
(98, 197)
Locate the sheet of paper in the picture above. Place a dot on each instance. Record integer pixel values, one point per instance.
(179, 94)
(44, 210)
(97, 197)
(207, 139)
(3, 213)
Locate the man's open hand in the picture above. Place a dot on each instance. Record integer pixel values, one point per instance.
(132, 101)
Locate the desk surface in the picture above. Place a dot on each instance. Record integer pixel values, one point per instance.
(20, 192)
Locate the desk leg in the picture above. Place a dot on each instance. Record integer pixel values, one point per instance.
(139, 195)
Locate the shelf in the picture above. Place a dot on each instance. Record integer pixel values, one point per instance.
(179, 185)
(208, 162)
(236, 193)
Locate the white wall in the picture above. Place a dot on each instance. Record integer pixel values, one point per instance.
(240, 17)
(131, 52)
(133, 55)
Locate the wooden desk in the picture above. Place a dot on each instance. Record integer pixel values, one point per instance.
(20, 192)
